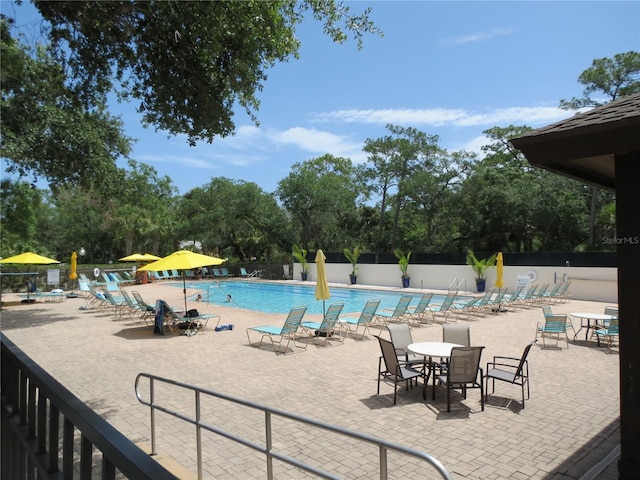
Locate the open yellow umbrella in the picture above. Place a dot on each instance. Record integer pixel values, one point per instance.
(29, 258)
(322, 287)
(499, 271)
(140, 257)
(182, 260)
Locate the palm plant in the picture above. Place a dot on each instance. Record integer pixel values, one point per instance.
(352, 256)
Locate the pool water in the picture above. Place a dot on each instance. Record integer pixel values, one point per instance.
(280, 298)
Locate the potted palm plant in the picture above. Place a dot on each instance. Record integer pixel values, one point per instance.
(480, 266)
(352, 256)
(300, 254)
(403, 263)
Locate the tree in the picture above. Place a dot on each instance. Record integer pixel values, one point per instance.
(46, 131)
(615, 78)
(320, 196)
(394, 159)
(187, 64)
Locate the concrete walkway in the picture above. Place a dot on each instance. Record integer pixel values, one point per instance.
(570, 424)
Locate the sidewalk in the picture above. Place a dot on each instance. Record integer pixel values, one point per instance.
(569, 425)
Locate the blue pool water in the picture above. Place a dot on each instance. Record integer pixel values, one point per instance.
(280, 298)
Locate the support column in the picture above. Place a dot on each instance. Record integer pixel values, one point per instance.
(628, 259)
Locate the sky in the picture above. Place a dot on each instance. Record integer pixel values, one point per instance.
(451, 69)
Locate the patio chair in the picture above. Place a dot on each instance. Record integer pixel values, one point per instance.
(609, 334)
(325, 330)
(464, 372)
(353, 324)
(186, 322)
(546, 310)
(458, 334)
(398, 371)
(135, 307)
(511, 370)
(419, 313)
(395, 315)
(401, 337)
(444, 308)
(287, 332)
(554, 327)
(466, 309)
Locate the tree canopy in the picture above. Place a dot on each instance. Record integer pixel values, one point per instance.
(186, 64)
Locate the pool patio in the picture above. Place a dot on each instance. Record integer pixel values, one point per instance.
(570, 424)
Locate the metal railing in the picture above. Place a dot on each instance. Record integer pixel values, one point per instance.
(268, 448)
(455, 285)
(48, 433)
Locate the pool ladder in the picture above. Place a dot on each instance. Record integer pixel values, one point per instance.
(454, 286)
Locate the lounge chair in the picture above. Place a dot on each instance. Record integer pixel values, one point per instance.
(466, 309)
(288, 331)
(325, 330)
(420, 314)
(353, 324)
(397, 314)
(444, 308)
(187, 323)
(136, 308)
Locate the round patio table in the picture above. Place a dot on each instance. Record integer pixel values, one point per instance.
(596, 317)
(432, 350)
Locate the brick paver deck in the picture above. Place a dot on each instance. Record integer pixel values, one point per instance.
(569, 425)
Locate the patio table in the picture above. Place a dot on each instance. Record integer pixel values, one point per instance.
(432, 350)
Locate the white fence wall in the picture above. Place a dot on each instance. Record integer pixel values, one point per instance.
(587, 283)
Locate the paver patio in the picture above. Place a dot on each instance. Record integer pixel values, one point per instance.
(570, 423)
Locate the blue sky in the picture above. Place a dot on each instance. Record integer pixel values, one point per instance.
(451, 69)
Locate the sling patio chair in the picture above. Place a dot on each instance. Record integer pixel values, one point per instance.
(397, 314)
(610, 334)
(420, 315)
(511, 370)
(186, 322)
(444, 308)
(401, 337)
(326, 329)
(398, 371)
(288, 331)
(554, 326)
(464, 371)
(353, 324)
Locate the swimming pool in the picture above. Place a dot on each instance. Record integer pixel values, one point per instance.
(280, 298)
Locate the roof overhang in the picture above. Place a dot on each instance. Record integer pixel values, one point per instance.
(585, 146)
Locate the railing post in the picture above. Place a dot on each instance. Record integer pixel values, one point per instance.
(383, 463)
(153, 416)
(269, 444)
(198, 435)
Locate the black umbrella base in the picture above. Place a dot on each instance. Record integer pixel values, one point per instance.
(29, 300)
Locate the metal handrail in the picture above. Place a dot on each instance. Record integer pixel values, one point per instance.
(268, 449)
(458, 284)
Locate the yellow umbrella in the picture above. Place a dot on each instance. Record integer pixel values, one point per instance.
(74, 265)
(499, 271)
(140, 257)
(322, 287)
(182, 260)
(29, 258)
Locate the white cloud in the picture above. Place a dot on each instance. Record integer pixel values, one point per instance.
(441, 117)
(477, 37)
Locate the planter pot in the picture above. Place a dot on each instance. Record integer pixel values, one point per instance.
(353, 278)
(480, 284)
(405, 282)
(303, 275)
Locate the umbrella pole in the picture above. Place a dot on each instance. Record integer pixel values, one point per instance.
(184, 290)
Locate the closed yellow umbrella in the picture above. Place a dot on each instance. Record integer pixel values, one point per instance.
(182, 260)
(74, 266)
(499, 271)
(322, 287)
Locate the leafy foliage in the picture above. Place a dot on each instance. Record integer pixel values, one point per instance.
(403, 261)
(300, 254)
(187, 64)
(480, 266)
